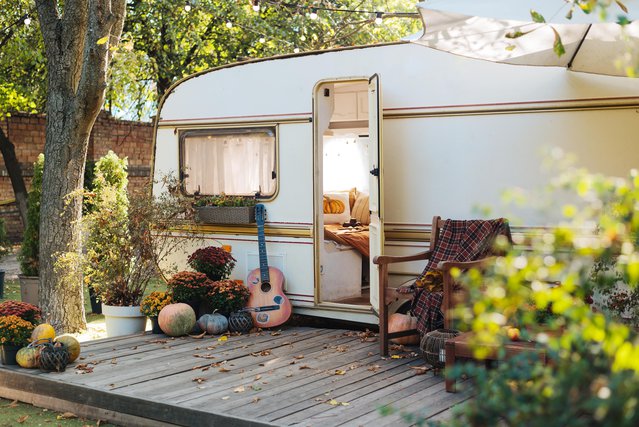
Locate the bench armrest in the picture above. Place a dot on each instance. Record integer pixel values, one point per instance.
(389, 259)
(447, 265)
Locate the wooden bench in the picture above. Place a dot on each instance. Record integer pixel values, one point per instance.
(459, 347)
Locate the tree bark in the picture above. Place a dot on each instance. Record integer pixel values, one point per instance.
(77, 46)
(15, 175)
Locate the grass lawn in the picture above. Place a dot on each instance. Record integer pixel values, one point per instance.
(21, 414)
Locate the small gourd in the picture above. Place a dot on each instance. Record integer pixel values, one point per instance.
(27, 357)
(213, 324)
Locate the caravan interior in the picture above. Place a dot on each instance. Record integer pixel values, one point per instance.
(342, 144)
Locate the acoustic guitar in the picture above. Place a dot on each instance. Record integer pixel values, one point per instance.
(268, 304)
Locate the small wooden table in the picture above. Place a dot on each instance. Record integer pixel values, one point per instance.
(459, 347)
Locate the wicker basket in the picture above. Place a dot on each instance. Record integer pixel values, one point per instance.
(226, 214)
(432, 345)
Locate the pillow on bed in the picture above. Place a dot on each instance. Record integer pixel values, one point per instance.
(361, 210)
(337, 210)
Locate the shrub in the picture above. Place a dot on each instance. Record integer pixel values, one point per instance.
(189, 286)
(5, 244)
(23, 310)
(154, 302)
(228, 295)
(213, 261)
(15, 330)
(30, 250)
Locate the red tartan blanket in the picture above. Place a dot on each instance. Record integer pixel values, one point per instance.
(459, 240)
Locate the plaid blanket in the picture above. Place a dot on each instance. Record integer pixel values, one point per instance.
(459, 240)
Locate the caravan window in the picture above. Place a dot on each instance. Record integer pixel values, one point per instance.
(229, 161)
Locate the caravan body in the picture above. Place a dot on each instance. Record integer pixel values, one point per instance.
(421, 132)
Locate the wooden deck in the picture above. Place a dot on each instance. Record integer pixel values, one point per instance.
(305, 376)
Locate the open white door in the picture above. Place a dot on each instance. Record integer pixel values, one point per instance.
(376, 178)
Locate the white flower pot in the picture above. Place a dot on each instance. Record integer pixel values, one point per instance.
(123, 320)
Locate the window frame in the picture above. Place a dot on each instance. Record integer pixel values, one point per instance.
(226, 130)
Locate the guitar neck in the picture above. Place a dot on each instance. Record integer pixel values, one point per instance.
(261, 243)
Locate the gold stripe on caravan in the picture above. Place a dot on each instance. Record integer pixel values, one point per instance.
(248, 230)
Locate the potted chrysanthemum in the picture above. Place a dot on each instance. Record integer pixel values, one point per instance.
(214, 261)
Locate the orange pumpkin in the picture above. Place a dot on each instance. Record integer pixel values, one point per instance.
(332, 206)
(398, 322)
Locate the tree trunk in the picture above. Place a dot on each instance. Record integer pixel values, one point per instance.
(77, 45)
(15, 175)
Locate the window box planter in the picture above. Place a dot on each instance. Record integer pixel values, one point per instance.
(226, 214)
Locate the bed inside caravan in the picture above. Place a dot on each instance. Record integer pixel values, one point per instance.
(344, 253)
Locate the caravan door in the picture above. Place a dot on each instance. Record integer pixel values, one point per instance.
(376, 178)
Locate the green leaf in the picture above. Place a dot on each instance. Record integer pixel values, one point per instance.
(537, 17)
(558, 46)
(623, 20)
(102, 40)
(510, 47)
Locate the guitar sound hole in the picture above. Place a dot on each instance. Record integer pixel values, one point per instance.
(266, 287)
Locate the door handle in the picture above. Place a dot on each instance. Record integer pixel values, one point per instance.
(375, 172)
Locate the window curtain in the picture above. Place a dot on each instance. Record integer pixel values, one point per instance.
(236, 164)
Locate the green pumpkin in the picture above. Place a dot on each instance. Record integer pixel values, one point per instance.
(213, 324)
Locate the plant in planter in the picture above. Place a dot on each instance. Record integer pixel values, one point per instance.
(15, 333)
(151, 306)
(30, 250)
(213, 261)
(117, 264)
(224, 209)
(23, 310)
(190, 287)
(227, 296)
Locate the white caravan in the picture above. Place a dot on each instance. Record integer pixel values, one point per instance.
(416, 131)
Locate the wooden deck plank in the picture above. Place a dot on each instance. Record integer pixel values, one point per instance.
(244, 370)
(275, 390)
(166, 361)
(317, 399)
(288, 377)
(356, 371)
(362, 405)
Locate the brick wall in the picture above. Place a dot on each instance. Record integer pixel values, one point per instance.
(27, 132)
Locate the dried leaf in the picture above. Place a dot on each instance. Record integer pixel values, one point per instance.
(223, 338)
(266, 352)
(13, 404)
(225, 398)
(198, 337)
(257, 377)
(134, 348)
(102, 40)
(622, 6)
(256, 399)
(199, 380)
(66, 416)
(276, 333)
(305, 367)
(339, 372)
(114, 361)
(158, 341)
(374, 368)
(239, 389)
(224, 370)
(421, 370)
(299, 356)
(204, 356)
(396, 356)
(22, 419)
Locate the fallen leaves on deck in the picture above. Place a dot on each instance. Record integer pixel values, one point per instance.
(340, 372)
(239, 389)
(84, 368)
(334, 402)
(223, 338)
(199, 336)
(199, 380)
(266, 352)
